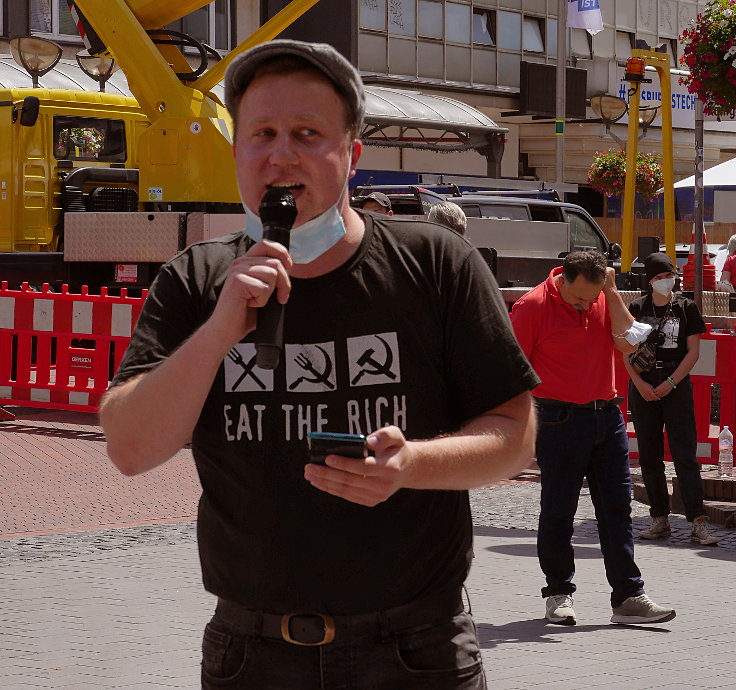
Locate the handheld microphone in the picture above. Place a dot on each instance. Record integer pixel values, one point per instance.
(278, 213)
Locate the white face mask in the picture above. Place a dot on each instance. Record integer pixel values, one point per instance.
(311, 239)
(663, 286)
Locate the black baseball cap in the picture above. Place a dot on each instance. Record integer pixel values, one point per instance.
(380, 197)
(323, 56)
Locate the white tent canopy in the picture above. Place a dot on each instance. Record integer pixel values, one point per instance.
(721, 175)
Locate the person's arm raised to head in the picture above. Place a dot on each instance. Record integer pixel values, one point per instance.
(621, 319)
(148, 418)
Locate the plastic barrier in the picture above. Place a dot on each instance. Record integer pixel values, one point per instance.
(58, 350)
(716, 365)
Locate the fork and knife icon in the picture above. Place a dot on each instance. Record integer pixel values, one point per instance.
(301, 359)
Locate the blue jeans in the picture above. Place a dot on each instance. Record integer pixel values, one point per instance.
(442, 656)
(573, 444)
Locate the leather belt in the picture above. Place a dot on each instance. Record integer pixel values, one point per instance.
(592, 405)
(315, 629)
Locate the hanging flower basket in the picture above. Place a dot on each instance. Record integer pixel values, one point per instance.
(607, 174)
(710, 56)
(86, 141)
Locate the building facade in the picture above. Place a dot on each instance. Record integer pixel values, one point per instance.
(474, 51)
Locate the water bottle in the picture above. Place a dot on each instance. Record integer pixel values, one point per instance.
(725, 452)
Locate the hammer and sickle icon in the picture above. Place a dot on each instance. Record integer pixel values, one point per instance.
(317, 377)
(375, 367)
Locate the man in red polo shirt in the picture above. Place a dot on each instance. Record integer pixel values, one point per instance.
(569, 327)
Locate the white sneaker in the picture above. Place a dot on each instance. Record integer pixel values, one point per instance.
(559, 610)
(641, 609)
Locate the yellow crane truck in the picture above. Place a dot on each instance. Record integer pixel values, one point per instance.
(100, 189)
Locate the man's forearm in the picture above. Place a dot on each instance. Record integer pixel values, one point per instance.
(621, 318)
(493, 446)
(148, 419)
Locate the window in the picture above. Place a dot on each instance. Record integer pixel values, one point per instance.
(582, 233)
(373, 14)
(471, 210)
(209, 24)
(457, 23)
(430, 19)
(581, 44)
(533, 37)
(484, 29)
(506, 211)
(89, 139)
(53, 18)
(552, 37)
(509, 30)
(402, 19)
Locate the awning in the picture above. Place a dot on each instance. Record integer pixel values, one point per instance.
(721, 175)
(411, 119)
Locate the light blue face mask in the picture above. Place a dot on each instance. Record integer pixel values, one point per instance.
(308, 241)
(311, 239)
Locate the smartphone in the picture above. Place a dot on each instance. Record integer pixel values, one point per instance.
(322, 443)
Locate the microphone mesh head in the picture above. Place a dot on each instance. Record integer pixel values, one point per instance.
(278, 207)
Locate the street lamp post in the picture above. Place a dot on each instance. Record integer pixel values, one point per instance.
(610, 109)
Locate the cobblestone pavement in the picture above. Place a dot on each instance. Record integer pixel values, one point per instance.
(123, 606)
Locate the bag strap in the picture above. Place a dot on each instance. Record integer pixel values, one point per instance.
(663, 320)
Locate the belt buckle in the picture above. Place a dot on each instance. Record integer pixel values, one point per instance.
(659, 365)
(329, 626)
(598, 404)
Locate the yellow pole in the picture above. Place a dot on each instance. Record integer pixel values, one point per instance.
(272, 28)
(632, 144)
(661, 62)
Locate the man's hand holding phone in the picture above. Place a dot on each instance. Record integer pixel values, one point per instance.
(363, 470)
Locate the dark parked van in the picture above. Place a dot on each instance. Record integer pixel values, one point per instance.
(521, 235)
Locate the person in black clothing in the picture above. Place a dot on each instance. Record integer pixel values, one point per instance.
(662, 398)
(347, 574)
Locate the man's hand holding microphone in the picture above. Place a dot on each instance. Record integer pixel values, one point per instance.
(257, 285)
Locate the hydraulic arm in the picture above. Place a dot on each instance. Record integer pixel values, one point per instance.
(185, 155)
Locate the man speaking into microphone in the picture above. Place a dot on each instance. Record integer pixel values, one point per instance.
(348, 573)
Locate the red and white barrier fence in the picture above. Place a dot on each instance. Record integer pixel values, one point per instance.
(57, 349)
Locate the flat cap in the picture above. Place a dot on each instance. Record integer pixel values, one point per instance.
(322, 56)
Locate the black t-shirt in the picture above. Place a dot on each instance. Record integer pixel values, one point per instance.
(410, 331)
(684, 320)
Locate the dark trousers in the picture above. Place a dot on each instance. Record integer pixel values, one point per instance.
(574, 444)
(676, 414)
(440, 656)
